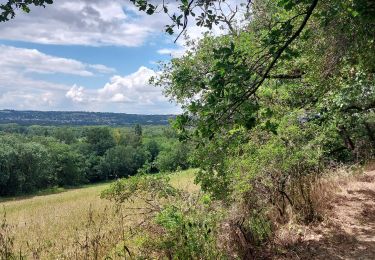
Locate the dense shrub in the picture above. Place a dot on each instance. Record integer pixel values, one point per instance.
(174, 224)
(174, 157)
(122, 161)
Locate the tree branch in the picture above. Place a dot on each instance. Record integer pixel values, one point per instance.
(288, 42)
(255, 86)
(285, 76)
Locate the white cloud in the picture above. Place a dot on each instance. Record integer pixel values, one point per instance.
(24, 93)
(31, 60)
(175, 53)
(95, 23)
(76, 94)
(19, 89)
(102, 69)
(84, 22)
(127, 94)
(131, 93)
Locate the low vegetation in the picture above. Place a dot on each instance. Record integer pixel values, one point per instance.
(73, 224)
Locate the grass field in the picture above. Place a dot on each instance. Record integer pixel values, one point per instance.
(65, 225)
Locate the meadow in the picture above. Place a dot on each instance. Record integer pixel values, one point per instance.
(72, 224)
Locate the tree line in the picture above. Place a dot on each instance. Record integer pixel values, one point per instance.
(37, 157)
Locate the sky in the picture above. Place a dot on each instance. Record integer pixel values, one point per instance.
(85, 55)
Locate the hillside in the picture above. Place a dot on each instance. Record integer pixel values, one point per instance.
(79, 118)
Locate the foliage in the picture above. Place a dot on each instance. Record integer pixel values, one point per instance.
(24, 167)
(271, 104)
(122, 161)
(68, 165)
(100, 139)
(127, 189)
(40, 157)
(153, 148)
(173, 157)
(176, 225)
(8, 9)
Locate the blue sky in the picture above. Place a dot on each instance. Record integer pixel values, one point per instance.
(86, 55)
(124, 60)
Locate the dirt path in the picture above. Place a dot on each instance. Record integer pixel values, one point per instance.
(350, 232)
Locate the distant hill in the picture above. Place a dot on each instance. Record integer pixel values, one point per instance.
(79, 118)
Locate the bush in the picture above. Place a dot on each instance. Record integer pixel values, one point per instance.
(172, 158)
(174, 224)
(122, 161)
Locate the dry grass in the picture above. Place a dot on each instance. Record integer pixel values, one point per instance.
(322, 194)
(348, 230)
(72, 224)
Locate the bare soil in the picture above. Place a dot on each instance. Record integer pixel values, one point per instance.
(349, 231)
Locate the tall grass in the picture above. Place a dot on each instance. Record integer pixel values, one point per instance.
(75, 224)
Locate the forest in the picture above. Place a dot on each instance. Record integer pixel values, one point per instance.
(38, 158)
(79, 118)
(278, 112)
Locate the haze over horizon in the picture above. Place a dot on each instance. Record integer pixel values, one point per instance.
(82, 111)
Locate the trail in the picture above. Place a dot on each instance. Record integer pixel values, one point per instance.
(349, 232)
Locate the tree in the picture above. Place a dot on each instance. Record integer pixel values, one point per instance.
(68, 165)
(228, 71)
(121, 161)
(100, 139)
(173, 157)
(138, 130)
(236, 74)
(65, 135)
(8, 10)
(24, 166)
(153, 148)
(8, 180)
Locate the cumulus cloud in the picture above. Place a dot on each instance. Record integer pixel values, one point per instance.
(84, 22)
(126, 94)
(131, 93)
(31, 60)
(76, 94)
(132, 88)
(19, 89)
(24, 93)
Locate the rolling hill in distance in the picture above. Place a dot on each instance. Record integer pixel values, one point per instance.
(56, 118)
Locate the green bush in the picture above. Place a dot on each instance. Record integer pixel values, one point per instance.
(176, 225)
(174, 157)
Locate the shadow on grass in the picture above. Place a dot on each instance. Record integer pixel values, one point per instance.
(335, 245)
(51, 191)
